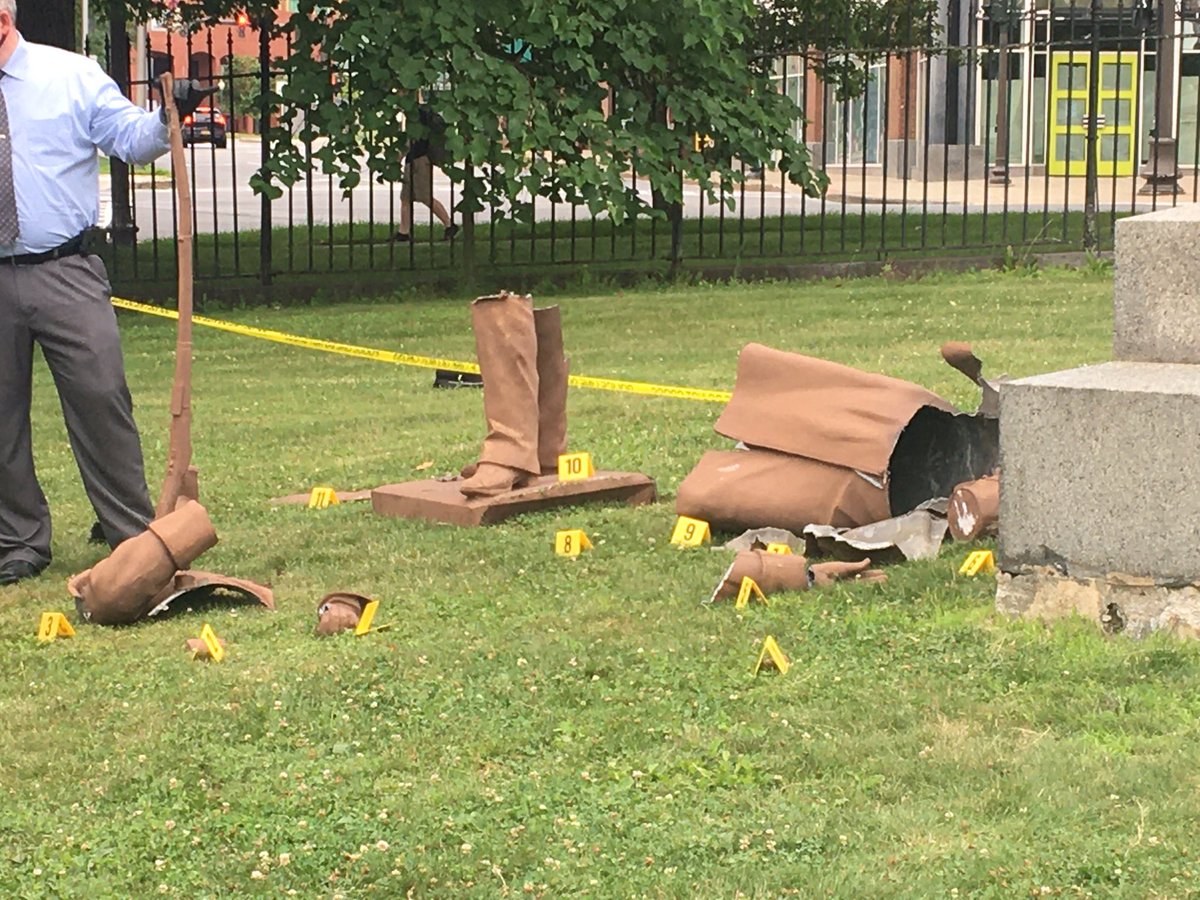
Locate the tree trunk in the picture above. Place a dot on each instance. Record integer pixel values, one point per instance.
(674, 210)
(49, 22)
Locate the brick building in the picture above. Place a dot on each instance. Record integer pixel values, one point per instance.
(203, 53)
(941, 108)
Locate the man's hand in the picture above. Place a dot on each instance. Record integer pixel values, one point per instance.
(187, 95)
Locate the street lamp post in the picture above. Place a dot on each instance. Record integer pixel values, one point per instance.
(1161, 169)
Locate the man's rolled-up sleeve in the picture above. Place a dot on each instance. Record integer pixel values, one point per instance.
(123, 130)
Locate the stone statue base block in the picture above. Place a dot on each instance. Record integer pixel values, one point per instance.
(1099, 471)
(1117, 604)
(442, 501)
(1156, 296)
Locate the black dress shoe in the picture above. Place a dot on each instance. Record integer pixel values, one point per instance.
(18, 570)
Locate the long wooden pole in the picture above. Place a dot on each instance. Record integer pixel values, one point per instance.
(180, 481)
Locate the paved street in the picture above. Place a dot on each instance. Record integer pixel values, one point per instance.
(222, 194)
(223, 197)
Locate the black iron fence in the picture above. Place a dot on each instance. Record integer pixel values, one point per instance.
(1030, 126)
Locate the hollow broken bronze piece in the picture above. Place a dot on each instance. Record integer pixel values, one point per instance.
(960, 356)
(339, 611)
(140, 573)
(737, 489)
(525, 380)
(826, 444)
(821, 410)
(974, 509)
(774, 572)
(194, 583)
(199, 649)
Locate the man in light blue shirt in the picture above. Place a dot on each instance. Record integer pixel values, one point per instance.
(56, 109)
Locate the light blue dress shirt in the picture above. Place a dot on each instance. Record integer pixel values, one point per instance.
(61, 107)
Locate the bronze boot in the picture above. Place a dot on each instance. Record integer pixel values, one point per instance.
(553, 369)
(506, 346)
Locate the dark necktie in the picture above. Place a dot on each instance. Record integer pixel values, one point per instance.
(9, 225)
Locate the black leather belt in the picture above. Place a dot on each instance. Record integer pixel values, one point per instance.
(73, 247)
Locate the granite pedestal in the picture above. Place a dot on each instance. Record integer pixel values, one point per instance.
(1100, 485)
(1156, 289)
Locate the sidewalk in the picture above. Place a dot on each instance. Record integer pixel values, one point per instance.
(1037, 192)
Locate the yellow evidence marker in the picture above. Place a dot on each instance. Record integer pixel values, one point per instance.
(209, 645)
(772, 657)
(690, 532)
(749, 589)
(978, 562)
(779, 549)
(322, 498)
(575, 466)
(364, 621)
(54, 625)
(571, 543)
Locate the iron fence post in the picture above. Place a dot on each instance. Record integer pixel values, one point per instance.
(264, 85)
(1002, 13)
(1161, 170)
(122, 228)
(468, 256)
(1091, 239)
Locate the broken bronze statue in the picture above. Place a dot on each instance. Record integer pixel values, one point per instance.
(525, 377)
(960, 356)
(131, 581)
(149, 571)
(820, 443)
(776, 572)
(974, 509)
(339, 611)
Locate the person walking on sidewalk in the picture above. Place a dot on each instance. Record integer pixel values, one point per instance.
(418, 176)
(56, 109)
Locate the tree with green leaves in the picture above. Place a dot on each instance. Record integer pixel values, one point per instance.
(240, 91)
(562, 99)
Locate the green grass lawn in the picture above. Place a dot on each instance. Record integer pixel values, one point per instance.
(536, 726)
(106, 168)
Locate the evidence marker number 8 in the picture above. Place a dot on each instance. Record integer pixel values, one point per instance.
(571, 542)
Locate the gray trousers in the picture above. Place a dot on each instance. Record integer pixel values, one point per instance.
(65, 306)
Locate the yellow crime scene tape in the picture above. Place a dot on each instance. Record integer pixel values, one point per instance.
(642, 388)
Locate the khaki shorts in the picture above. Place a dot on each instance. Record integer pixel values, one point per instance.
(418, 181)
